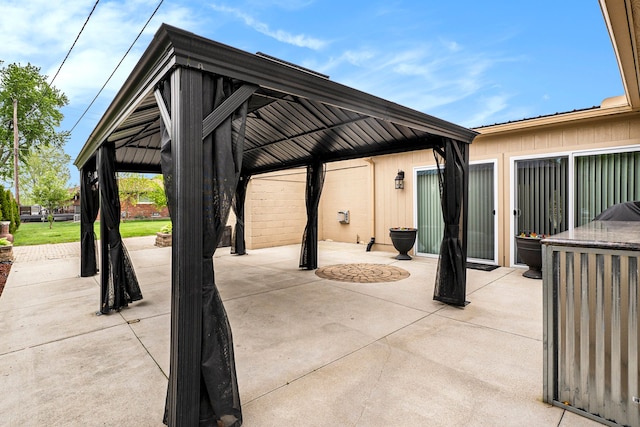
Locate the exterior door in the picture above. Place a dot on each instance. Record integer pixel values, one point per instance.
(482, 212)
(541, 197)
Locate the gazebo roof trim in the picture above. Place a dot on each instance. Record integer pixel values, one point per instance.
(333, 120)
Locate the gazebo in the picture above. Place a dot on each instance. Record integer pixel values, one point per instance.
(208, 117)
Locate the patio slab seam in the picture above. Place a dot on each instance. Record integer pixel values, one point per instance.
(44, 343)
(146, 349)
(266, 291)
(479, 325)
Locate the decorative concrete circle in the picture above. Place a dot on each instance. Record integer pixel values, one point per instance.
(362, 273)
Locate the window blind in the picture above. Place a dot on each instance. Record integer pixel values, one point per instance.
(603, 180)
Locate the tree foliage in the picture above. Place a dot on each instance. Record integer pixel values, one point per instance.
(9, 210)
(38, 162)
(50, 191)
(38, 113)
(157, 195)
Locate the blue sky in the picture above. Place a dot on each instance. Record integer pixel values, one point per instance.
(469, 62)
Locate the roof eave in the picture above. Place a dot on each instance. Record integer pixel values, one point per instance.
(554, 120)
(619, 19)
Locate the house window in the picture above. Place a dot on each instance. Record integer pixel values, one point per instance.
(602, 180)
(144, 199)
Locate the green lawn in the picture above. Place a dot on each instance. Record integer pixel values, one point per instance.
(38, 233)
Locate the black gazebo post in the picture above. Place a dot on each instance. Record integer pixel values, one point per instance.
(183, 397)
(309, 251)
(201, 161)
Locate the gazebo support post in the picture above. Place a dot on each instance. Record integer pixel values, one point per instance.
(201, 161)
(183, 399)
(309, 251)
(104, 245)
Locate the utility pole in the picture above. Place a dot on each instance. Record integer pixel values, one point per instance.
(15, 150)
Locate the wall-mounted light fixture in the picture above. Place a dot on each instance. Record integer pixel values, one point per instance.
(400, 180)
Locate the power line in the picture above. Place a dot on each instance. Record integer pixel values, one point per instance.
(118, 66)
(74, 42)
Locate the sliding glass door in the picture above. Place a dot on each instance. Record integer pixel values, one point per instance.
(482, 219)
(541, 196)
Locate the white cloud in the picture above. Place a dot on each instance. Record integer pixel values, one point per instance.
(431, 78)
(487, 108)
(300, 40)
(42, 32)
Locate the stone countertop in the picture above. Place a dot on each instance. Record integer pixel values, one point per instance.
(623, 235)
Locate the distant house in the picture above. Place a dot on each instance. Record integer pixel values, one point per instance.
(136, 197)
(70, 210)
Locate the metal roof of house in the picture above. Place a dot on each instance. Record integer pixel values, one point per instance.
(294, 115)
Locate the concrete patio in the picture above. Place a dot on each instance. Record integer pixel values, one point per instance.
(309, 351)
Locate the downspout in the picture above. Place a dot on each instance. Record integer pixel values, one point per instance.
(372, 197)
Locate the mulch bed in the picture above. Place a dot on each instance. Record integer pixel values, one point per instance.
(5, 267)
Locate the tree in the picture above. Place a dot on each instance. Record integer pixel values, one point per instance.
(157, 194)
(51, 192)
(37, 163)
(5, 205)
(39, 115)
(9, 210)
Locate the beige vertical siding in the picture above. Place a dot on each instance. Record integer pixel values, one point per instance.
(346, 187)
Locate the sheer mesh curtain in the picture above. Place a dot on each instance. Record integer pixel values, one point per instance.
(89, 205)
(603, 180)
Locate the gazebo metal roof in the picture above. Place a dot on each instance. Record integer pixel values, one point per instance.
(295, 115)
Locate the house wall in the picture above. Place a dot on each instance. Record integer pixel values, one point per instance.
(143, 210)
(366, 187)
(347, 187)
(554, 139)
(275, 209)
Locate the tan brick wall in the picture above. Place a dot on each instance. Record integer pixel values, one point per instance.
(275, 209)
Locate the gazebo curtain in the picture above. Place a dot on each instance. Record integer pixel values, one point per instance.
(451, 274)
(89, 205)
(221, 164)
(119, 285)
(315, 181)
(238, 246)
